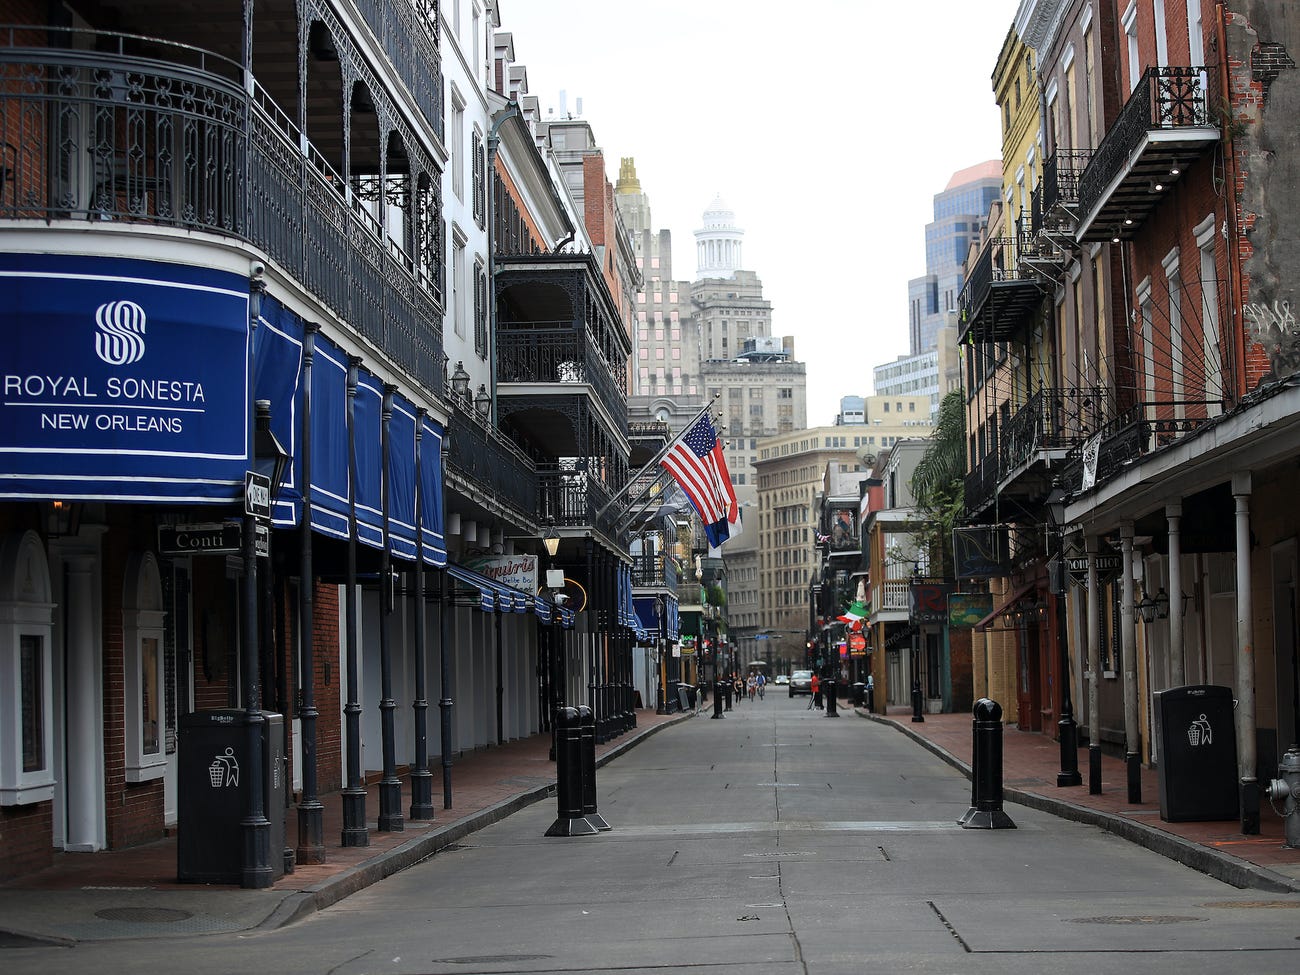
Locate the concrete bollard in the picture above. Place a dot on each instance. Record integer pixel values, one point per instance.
(986, 770)
(587, 720)
(568, 775)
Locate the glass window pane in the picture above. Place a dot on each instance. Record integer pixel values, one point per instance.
(32, 674)
(149, 738)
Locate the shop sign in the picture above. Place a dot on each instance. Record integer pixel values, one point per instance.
(123, 379)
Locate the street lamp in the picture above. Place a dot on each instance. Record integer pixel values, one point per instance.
(1067, 729)
(482, 401)
(551, 540)
(918, 715)
(460, 381)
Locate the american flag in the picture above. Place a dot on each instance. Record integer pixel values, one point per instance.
(697, 464)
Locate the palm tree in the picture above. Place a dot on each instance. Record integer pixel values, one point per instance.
(938, 483)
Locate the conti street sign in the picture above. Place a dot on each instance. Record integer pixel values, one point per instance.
(216, 538)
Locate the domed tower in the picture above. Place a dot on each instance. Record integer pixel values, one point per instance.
(718, 244)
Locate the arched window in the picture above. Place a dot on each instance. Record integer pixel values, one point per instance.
(26, 676)
(142, 649)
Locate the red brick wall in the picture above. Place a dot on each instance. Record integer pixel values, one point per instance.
(26, 839)
(325, 641)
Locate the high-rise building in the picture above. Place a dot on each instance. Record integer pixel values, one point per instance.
(960, 213)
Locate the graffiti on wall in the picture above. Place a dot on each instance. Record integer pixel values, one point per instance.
(1274, 328)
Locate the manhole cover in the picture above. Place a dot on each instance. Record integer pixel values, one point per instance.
(143, 915)
(1135, 919)
(480, 959)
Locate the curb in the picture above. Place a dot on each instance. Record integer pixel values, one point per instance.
(1221, 866)
(304, 903)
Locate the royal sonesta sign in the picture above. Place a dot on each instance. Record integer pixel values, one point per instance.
(122, 380)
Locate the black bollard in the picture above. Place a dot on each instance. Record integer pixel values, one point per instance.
(727, 687)
(717, 700)
(568, 776)
(828, 688)
(587, 720)
(871, 698)
(986, 770)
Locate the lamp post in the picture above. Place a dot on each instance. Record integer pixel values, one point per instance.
(1067, 730)
(661, 639)
(918, 715)
(551, 542)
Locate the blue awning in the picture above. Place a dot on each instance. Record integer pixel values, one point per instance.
(474, 581)
(433, 544)
(329, 439)
(277, 373)
(367, 414)
(401, 480)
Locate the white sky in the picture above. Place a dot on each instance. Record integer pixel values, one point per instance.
(828, 127)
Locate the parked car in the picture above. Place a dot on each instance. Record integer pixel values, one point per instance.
(782, 678)
(801, 682)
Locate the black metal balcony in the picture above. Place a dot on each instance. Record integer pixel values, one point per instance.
(1140, 430)
(558, 330)
(484, 466)
(122, 129)
(572, 493)
(655, 570)
(1003, 291)
(981, 486)
(1049, 425)
(1164, 126)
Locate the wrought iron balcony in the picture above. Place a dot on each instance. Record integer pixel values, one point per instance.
(1049, 425)
(572, 495)
(1163, 127)
(558, 327)
(121, 129)
(1003, 291)
(485, 466)
(981, 485)
(1142, 429)
(654, 571)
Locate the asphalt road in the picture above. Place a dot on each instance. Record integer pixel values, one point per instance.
(776, 840)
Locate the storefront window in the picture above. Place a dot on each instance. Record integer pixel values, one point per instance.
(31, 678)
(149, 736)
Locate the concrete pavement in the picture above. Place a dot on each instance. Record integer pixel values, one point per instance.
(132, 894)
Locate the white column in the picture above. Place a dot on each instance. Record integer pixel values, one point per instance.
(1132, 748)
(1177, 669)
(1245, 657)
(84, 780)
(1093, 611)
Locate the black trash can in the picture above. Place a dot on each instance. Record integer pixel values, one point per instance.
(856, 692)
(1198, 754)
(213, 785)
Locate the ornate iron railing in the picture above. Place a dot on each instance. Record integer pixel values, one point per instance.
(408, 32)
(1139, 430)
(133, 129)
(571, 496)
(981, 482)
(1061, 172)
(654, 570)
(1051, 419)
(558, 353)
(490, 465)
(1000, 261)
(1165, 98)
(129, 129)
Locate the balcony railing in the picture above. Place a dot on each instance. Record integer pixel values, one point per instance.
(1051, 419)
(1141, 429)
(493, 469)
(1061, 172)
(558, 353)
(654, 570)
(408, 31)
(892, 595)
(1002, 291)
(981, 482)
(1162, 126)
(572, 497)
(117, 128)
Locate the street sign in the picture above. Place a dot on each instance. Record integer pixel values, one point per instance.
(215, 538)
(257, 495)
(262, 540)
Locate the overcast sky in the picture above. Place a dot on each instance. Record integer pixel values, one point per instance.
(827, 127)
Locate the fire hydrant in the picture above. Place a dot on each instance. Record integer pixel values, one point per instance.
(1288, 788)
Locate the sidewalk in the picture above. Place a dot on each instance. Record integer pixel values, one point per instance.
(133, 893)
(1030, 762)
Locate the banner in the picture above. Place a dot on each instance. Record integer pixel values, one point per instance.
(517, 571)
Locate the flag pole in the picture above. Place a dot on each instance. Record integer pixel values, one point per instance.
(657, 458)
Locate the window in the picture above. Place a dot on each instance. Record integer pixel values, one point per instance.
(1212, 369)
(480, 310)
(456, 135)
(1129, 23)
(458, 311)
(479, 163)
(142, 637)
(26, 677)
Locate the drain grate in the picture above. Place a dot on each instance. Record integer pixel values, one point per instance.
(1135, 919)
(143, 915)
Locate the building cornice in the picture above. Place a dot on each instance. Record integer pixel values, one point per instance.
(1037, 21)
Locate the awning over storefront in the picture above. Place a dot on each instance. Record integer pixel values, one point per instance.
(494, 596)
(1008, 601)
(277, 373)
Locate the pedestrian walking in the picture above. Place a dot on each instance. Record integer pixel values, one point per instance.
(816, 698)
